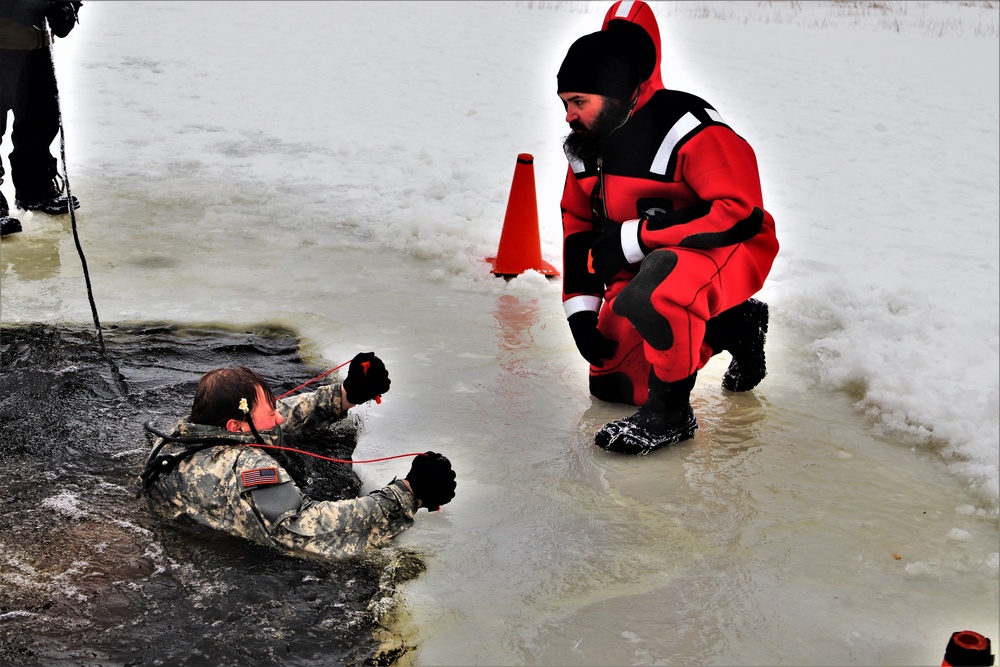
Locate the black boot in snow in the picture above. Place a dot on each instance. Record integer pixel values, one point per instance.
(666, 418)
(8, 225)
(50, 200)
(745, 331)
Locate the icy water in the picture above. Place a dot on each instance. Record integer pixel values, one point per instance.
(88, 577)
(787, 532)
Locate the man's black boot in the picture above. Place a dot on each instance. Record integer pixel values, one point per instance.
(49, 200)
(8, 225)
(666, 418)
(741, 331)
(748, 332)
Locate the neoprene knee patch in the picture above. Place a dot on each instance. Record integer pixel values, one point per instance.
(635, 302)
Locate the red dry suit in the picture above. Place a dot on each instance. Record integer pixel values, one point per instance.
(687, 186)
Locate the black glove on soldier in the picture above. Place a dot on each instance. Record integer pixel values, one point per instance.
(432, 480)
(593, 345)
(366, 379)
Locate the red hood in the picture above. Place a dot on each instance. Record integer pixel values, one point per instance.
(638, 12)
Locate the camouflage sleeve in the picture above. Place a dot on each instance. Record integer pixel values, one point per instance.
(347, 528)
(307, 412)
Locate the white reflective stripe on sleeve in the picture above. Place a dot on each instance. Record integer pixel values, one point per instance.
(578, 304)
(630, 242)
(624, 9)
(687, 123)
(714, 115)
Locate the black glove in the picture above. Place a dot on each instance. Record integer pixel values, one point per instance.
(432, 480)
(608, 255)
(61, 16)
(593, 345)
(366, 379)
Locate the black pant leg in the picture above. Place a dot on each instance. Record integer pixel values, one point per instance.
(36, 124)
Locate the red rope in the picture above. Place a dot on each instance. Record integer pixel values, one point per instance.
(319, 456)
(327, 458)
(308, 382)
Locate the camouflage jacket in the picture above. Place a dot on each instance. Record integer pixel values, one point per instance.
(244, 491)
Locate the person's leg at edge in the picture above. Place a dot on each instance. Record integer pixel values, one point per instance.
(37, 182)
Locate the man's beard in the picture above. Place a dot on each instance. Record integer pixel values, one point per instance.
(587, 145)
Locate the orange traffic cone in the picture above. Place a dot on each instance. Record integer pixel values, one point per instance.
(520, 245)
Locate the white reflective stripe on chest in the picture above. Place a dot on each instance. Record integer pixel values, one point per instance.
(687, 123)
(576, 166)
(624, 9)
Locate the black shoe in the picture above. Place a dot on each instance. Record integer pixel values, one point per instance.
(9, 225)
(48, 199)
(748, 327)
(666, 418)
(53, 204)
(646, 431)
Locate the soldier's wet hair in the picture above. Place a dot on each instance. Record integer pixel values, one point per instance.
(217, 399)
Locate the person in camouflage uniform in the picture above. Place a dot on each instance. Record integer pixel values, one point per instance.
(208, 470)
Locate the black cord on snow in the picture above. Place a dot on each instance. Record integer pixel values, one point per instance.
(119, 379)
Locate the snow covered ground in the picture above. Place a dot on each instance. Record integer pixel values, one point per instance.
(343, 168)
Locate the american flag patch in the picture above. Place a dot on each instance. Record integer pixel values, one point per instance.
(259, 476)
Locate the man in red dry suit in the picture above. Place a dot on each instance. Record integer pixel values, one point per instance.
(665, 235)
